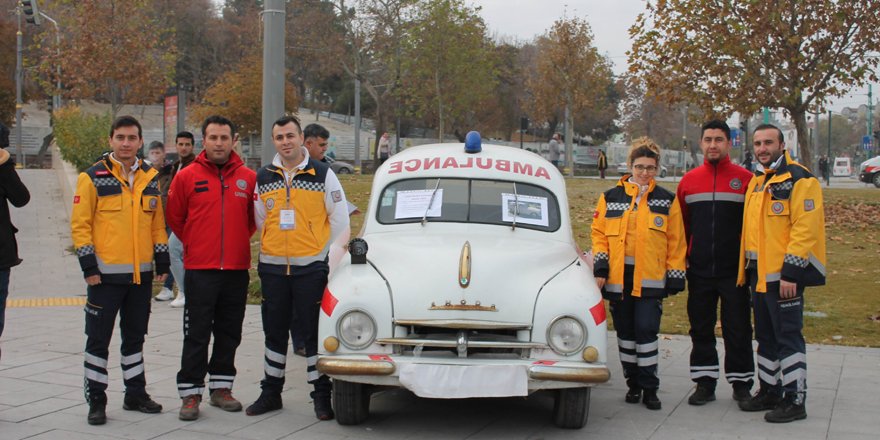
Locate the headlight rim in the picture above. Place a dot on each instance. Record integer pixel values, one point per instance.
(342, 339)
(576, 350)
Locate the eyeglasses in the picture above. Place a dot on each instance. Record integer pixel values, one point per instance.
(643, 168)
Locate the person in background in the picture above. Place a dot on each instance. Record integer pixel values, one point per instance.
(211, 210)
(183, 142)
(555, 150)
(384, 148)
(13, 191)
(711, 197)
(316, 140)
(602, 164)
(156, 159)
(782, 251)
(114, 197)
(638, 260)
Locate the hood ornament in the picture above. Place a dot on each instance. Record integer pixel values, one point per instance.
(464, 266)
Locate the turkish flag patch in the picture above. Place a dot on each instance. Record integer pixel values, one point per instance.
(76, 200)
(328, 303)
(598, 312)
(595, 214)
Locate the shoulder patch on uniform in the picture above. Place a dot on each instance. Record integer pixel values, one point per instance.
(337, 196)
(241, 184)
(736, 184)
(658, 221)
(75, 200)
(777, 207)
(809, 205)
(595, 214)
(102, 173)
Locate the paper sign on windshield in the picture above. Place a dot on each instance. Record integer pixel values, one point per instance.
(530, 210)
(414, 204)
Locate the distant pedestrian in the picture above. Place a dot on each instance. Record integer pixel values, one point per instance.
(210, 208)
(711, 198)
(638, 260)
(293, 191)
(12, 190)
(118, 229)
(782, 251)
(602, 164)
(823, 167)
(384, 148)
(555, 150)
(183, 142)
(748, 162)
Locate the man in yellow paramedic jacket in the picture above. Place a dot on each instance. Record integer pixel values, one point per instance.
(782, 252)
(118, 229)
(301, 208)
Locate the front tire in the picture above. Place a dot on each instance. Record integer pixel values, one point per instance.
(344, 170)
(572, 408)
(662, 173)
(351, 402)
(876, 180)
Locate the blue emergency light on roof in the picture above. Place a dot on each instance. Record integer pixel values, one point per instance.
(473, 143)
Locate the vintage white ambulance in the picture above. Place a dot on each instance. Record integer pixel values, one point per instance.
(465, 282)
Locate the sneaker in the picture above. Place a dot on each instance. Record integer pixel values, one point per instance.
(742, 391)
(165, 295)
(323, 409)
(222, 398)
(703, 395)
(787, 411)
(140, 402)
(650, 399)
(178, 302)
(97, 410)
(762, 401)
(634, 395)
(265, 403)
(189, 409)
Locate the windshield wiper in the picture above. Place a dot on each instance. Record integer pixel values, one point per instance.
(515, 207)
(430, 202)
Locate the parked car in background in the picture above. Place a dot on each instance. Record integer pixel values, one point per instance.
(466, 282)
(340, 167)
(869, 171)
(623, 168)
(842, 167)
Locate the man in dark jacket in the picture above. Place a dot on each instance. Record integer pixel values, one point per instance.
(711, 198)
(13, 190)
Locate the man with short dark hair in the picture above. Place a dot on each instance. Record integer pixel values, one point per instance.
(711, 198)
(315, 139)
(183, 142)
(114, 197)
(301, 208)
(782, 251)
(210, 209)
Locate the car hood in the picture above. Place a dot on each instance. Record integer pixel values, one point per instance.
(508, 269)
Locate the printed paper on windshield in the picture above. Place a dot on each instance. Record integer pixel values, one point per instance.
(416, 203)
(530, 210)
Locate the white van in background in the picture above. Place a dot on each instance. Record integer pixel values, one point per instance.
(842, 167)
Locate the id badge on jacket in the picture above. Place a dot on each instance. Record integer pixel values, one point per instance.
(287, 220)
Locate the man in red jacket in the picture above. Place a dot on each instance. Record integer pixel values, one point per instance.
(712, 198)
(210, 208)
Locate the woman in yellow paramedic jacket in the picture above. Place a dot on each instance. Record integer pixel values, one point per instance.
(639, 259)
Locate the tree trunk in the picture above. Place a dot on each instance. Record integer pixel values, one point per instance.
(569, 130)
(806, 153)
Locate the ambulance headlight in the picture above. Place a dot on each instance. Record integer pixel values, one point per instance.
(566, 335)
(356, 329)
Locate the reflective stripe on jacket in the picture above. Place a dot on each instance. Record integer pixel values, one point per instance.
(791, 235)
(660, 248)
(117, 231)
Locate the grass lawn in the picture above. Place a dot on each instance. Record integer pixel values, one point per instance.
(850, 302)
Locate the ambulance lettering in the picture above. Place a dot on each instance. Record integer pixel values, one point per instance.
(484, 163)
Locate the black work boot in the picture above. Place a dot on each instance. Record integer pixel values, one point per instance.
(650, 399)
(791, 408)
(742, 391)
(97, 409)
(140, 402)
(764, 400)
(704, 394)
(323, 406)
(268, 401)
(634, 395)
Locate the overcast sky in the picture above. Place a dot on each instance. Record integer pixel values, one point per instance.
(523, 20)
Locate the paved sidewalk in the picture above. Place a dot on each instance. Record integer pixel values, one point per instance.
(41, 370)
